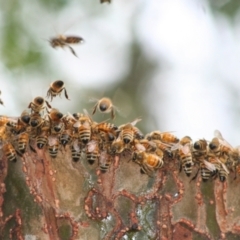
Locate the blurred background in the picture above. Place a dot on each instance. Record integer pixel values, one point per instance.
(175, 64)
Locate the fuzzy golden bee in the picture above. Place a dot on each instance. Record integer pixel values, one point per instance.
(148, 162)
(1, 101)
(184, 154)
(92, 152)
(105, 105)
(65, 41)
(10, 152)
(75, 151)
(103, 1)
(37, 105)
(56, 89)
(129, 132)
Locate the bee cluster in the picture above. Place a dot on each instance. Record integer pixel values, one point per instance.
(101, 142)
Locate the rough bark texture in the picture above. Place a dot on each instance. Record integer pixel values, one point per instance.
(59, 199)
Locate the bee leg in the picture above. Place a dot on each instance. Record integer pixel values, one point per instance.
(195, 175)
(112, 113)
(49, 106)
(94, 109)
(73, 52)
(66, 95)
(18, 153)
(32, 149)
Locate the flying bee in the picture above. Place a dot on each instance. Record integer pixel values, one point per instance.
(56, 88)
(92, 152)
(103, 1)
(64, 41)
(105, 105)
(75, 151)
(37, 105)
(129, 132)
(10, 152)
(149, 162)
(1, 102)
(53, 145)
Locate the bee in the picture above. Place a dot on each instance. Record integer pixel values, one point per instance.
(1, 101)
(25, 118)
(65, 137)
(64, 41)
(149, 162)
(235, 160)
(75, 151)
(92, 152)
(144, 145)
(103, 1)
(129, 132)
(36, 120)
(42, 140)
(184, 154)
(105, 161)
(37, 105)
(105, 105)
(165, 137)
(107, 131)
(10, 152)
(83, 127)
(53, 145)
(117, 146)
(54, 115)
(56, 88)
(23, 140)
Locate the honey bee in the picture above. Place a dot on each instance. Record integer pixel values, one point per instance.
(25, 117)
(165, 137)
(117, 146)
(185, 155)
(235, 160)
(42, 140)
(65, 137)
(37, 105)
(107, 131)
(75, 151)
(103, 1)
(64, 41)
(104, 105)
(1, 102)
(105, 161)
(10, 152)
(53, 145)
(220, 147)
(129, 132)
(92, 152)
(56, 88)
(83, 126)
(36, 120)
(149, 162)
(23, 140)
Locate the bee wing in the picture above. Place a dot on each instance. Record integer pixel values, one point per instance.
(91, 145)
(52, 140)
(223, 165)
(76, 146)
(218, 134)
(77, 124)
(140, 147)
(186, 148)
(210, 166)
(133, 123)
(176, 146)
